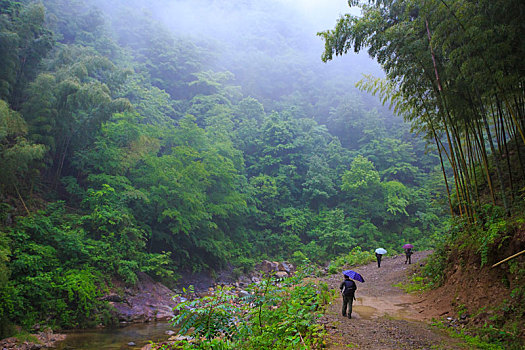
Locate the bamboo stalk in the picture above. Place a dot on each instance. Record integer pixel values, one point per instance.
(478, 137)
(22, 200)
(507, 156)
(507, 259)
(442, 166)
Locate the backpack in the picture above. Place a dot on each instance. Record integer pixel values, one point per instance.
(349, 288)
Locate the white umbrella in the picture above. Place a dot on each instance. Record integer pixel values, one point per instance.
(381, 251)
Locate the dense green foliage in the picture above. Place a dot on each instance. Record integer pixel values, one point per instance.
(272, 315)
(353, 258)
(125, 147)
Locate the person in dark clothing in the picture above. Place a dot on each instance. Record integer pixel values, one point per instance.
(378, 257)
(408, 254)
(348, 288)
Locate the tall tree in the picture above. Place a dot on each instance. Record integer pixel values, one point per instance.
(24, 42)
(18, 155)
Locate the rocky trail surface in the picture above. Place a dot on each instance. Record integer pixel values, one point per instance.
(385, 317)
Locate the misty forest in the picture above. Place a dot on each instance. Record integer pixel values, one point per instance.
(177, 138)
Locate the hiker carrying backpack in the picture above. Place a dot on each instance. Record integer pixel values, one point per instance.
(348, 288)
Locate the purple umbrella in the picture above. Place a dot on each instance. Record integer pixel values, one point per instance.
(408, 246)
(353, 275)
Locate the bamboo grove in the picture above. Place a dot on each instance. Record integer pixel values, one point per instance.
(454, 69)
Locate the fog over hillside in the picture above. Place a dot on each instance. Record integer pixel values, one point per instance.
(241, 30)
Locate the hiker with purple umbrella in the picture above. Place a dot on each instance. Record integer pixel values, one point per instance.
(408, 252)
(348, 288)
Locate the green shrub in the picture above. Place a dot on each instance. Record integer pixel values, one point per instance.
(298, 257)
(473, 341)
(416, 284)
(433, 269)
(57, 271)
(354, 258)
(274, 315)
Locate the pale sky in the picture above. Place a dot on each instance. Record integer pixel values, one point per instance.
(321, 12)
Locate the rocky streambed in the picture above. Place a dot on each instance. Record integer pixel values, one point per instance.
(147, 301)
(150, 301)
(144, 310)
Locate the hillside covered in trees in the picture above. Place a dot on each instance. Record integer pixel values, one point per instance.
(127, 146)
(157, 137)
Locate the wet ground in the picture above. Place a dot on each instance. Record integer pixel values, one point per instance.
(384, 317)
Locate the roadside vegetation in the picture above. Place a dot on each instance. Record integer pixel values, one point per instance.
(272, 314)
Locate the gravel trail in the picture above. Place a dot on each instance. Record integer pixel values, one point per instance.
(384, 317)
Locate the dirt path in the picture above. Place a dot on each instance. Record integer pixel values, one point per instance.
(384, 317)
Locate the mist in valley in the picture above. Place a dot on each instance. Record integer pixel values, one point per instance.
(271, 47)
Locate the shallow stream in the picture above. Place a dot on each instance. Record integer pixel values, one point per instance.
(116, 338)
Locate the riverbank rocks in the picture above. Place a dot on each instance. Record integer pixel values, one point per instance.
(269, 266)
(281, 274)
(286, 267)
(46, 339)
(150, 301)
(280, 269)
(147, 301)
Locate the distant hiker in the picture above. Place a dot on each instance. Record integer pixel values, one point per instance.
(408, 254)
(379, 254)
(348, 288)
(378, 257)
